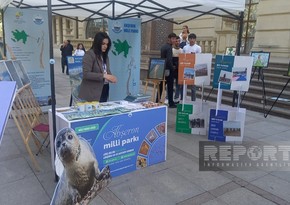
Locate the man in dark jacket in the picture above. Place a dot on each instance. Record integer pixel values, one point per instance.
(66, 50)
(166, 52)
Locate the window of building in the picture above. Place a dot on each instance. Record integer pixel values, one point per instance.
(249, 29)
(94, 26)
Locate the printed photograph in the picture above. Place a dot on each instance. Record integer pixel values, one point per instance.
(144, 148)
(225, 77)
(151, 137)
(200, 70)
(230, 51)
(196, 123)
(239, 74)
(188, 73)
(4, 73)
(161, 128)
(232, 128)
(156, 69)
(141, 162)
(261, 59)
(21, 72)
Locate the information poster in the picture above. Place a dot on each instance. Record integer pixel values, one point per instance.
(192, 118)
(233, 72)
(125, 57)
(75, 67)
(227, 125)
(194, 69)
(27, 39)
(126, 142)
(186, 69)
(7, 90)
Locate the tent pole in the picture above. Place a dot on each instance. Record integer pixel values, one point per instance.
(113, 9)
(52, 83)
(239, 44)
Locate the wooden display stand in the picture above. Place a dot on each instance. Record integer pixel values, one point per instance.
(29, 119)
(156, 83)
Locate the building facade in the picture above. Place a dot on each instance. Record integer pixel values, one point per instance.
(266, 27)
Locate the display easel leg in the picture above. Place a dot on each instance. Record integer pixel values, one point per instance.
(266, 114)
(208, 94)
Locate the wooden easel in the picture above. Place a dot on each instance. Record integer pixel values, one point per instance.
(156, 83)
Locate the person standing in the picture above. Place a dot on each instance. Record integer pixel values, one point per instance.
(176, 50)
(80, 51)
(193, 48)
(166, 53)
(66, 50)
(184, 36)
(96, 70)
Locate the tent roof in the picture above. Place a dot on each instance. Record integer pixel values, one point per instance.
(147, 10)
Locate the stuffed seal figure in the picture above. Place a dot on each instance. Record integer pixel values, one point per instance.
(81, 179)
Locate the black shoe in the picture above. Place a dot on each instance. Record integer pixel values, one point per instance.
(177, 102)
(172, 106)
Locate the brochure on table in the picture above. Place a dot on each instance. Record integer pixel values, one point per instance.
(233, 72)
(7, 90)
(192, 118)
(126, 142)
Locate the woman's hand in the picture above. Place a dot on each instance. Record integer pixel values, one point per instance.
(110, 78)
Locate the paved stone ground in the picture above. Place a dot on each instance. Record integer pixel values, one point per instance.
(176, 181)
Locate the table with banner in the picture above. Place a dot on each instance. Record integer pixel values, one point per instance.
(126, 141)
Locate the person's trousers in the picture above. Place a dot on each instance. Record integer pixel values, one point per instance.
(105, 93)
(169, 82)
(64, 64)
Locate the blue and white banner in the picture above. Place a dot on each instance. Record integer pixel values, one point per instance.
(75, 67)
(27, 39)
(227, 125)
(125, 142)
(125, 57)
(232, 72)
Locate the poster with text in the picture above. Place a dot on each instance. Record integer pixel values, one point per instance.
(75, 67)
(192, 118)
(125, 55)
(125, 142)
(194, 69)
(227, 125)
(232, 72)
(27, 39)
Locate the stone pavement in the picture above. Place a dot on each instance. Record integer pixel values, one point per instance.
(175, 181)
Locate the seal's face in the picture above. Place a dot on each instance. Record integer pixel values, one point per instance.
(67, 145)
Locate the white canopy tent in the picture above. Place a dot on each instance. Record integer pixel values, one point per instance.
(147, 10)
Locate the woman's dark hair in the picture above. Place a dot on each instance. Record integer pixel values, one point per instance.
(78, 47)
(97, 44)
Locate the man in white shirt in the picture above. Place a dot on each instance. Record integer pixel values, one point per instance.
(192, 47)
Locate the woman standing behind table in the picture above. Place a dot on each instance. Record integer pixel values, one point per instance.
(80, 51)
(96, 70)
